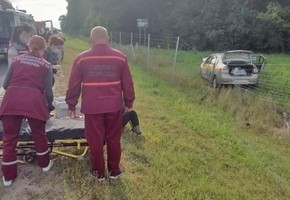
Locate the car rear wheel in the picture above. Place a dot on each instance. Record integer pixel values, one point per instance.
(215, 84)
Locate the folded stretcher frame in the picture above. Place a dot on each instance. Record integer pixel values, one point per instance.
(60, 133)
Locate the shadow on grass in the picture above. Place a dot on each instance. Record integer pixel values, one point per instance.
(130, 137)
(117, 190)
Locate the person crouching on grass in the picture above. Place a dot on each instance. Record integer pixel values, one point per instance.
(131, 117)
(28, 85)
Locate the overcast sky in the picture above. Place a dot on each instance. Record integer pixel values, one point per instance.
(43, 9)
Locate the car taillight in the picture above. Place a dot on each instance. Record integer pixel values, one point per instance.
(224, 70)
(255, 71)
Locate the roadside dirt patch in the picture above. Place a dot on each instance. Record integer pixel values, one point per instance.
(33, 183)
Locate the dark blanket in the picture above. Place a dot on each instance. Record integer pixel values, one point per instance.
(55, 129)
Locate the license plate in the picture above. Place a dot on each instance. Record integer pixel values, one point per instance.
(241, 81)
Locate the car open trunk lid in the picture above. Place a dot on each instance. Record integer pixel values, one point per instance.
(239, 62)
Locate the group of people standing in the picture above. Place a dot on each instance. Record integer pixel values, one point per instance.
(101, 75)
(29, 74)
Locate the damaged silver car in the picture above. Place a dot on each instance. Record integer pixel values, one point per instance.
(237, 67)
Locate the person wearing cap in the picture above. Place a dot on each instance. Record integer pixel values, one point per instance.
(28, 76)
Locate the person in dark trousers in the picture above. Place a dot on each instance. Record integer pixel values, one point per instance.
(102, 75)
(28, 76)
(132, 118)
(19, 42)
(50, 54)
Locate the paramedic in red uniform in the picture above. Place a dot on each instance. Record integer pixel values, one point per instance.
(102, 74)
(28, 86)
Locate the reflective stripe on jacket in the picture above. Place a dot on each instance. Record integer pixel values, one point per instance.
(102, 74)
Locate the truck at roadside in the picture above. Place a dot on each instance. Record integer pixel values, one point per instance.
(11, 18)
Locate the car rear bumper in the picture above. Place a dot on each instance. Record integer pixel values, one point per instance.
(227, 79)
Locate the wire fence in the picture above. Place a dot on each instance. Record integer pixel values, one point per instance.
(158, 54)
(273, 85)
(178, 62)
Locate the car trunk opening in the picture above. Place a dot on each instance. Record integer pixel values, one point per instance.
(240, 68)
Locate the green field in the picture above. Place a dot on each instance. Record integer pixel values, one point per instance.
(196, 145)
(274, 80)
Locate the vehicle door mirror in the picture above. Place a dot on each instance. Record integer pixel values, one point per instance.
(204, 59)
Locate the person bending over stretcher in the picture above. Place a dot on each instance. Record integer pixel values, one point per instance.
(28, 76)
(132, 117)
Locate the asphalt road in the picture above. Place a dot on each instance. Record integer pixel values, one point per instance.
(3, 68)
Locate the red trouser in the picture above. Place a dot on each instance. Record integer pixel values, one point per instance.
(106, 126)
(11, 129)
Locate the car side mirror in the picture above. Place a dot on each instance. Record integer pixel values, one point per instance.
(204, 59)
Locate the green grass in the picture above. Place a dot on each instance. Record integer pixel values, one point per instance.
(274, 81)
(196, 144)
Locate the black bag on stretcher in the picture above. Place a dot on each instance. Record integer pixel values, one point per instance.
(65, 132)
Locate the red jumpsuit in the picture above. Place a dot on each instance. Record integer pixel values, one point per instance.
(25, 96)
(102, 75)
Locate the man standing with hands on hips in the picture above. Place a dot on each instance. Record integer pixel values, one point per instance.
(102, 75)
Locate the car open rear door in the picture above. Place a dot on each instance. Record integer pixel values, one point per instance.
(259, 61)
(47, 24)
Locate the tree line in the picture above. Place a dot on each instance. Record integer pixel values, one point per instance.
(258, 25)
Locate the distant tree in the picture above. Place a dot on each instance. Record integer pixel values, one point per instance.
(258, 25)
(277, 15)
(62, 21)
(61, 18)
(77, 12)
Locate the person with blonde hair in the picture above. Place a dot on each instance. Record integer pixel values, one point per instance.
(29, 76)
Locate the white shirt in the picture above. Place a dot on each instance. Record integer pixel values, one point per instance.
(12, 52)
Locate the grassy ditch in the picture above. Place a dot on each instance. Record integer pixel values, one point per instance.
(197, 143)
